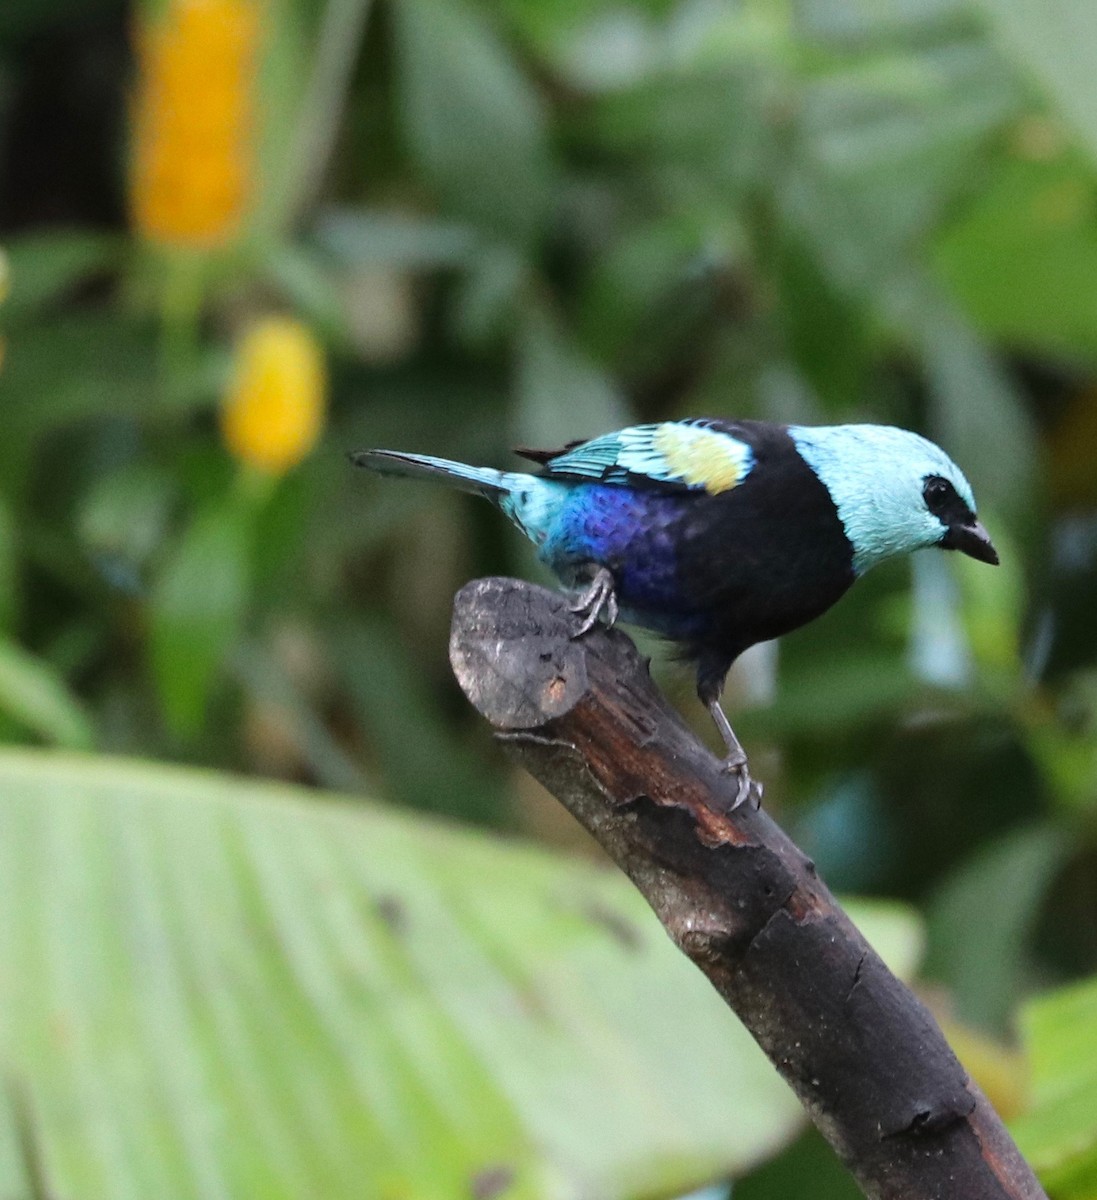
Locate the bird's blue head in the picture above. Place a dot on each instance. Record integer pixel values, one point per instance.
(895, 492)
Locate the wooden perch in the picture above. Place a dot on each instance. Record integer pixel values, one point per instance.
(863, 1054)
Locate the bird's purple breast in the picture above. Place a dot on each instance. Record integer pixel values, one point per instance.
(636, 535)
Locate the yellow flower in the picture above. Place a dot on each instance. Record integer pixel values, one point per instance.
(193, 122)
(274, 407)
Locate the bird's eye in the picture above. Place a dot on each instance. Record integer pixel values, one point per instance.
(936, 489)
(939, 494)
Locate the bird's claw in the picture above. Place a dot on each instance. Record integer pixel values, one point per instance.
(736, 764)
(599, 597)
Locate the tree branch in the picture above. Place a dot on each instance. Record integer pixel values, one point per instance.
(862, 1053)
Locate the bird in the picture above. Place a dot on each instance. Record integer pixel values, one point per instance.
(718, 534)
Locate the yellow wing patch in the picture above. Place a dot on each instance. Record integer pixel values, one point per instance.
(702, 457)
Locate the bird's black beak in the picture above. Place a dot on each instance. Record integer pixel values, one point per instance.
(972, 539)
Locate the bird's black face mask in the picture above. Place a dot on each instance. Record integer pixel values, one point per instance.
(963, 531)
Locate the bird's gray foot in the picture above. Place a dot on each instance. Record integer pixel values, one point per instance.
(735, 763)
(598, 598)
(745, 783)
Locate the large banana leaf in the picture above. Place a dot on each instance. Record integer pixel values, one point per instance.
(1058, 1133)
(219, 988)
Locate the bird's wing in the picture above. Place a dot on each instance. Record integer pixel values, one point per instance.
(674, 455)
(544, 456)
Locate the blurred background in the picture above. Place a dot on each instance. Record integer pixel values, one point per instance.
(240, 238)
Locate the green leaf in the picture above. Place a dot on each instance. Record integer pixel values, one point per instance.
(198, 605)
(44, 267)
(35, 696)
(1064, 743)
(851, 24)
(1000, 890)
(558, 31)
(882, 143)
(994, 610)
(430, 769)
(473, 123)
(830, 694)
(123, 518)
(701, 124)
(228, 988)
(379, 239)
(651, 290)
(808, 1170)
(318, 114)
(269, 684)
(827, 329)
(1021, 256)
(310, 286)
(289, 45)
(82, 366)
(9, 566)
(561, 394)
(1058, 1134)
(1052, 41)
(491, 295)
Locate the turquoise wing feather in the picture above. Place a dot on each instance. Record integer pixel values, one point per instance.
(677, 455)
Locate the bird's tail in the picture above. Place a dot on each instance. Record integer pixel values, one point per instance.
(483, 481)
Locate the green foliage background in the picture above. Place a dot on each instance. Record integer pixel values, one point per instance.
(534, 220)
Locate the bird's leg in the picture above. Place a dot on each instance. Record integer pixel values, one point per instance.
(711, 670)
(597, 598)
(736, 756)
(736, 761)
